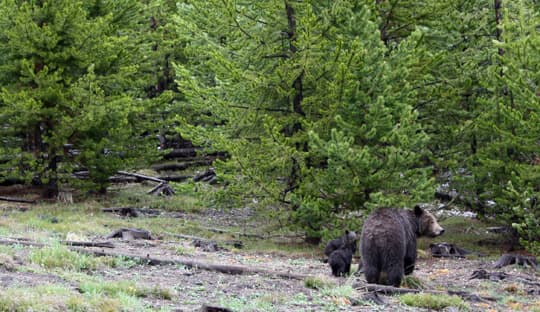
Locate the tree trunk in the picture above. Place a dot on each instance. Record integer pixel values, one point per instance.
(298, 85)
(50, 189)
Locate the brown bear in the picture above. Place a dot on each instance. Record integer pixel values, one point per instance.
(349, 240)
(388, 242)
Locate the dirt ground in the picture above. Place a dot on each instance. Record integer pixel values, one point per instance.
(194, 287)
(254, 292)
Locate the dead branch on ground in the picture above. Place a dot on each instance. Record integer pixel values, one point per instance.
(17, 200)
(162, 188)
(391, 290)
(27, 242)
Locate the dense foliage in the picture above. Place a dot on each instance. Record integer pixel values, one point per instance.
(325, 109)
(71, 88)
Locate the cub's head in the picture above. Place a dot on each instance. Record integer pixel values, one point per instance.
(349, 240)
(350, 237)
(427, 224)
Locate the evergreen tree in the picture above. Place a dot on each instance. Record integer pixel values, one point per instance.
(506, 168)
(303, 98)
(70, 77)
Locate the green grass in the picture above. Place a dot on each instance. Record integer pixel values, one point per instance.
(116, 288)
(433, 301)
(59, 256)
(315, 282)
(61, 298)
(412, 282)
(186, 198)
(252, 303)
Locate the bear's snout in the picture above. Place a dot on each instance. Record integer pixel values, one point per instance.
(438, 231)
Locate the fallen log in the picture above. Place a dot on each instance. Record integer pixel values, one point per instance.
(123, 179)
(207, 308)
(182, 165)
(27, 242)
(205, 175)
(448, 250)
(391, 290)
(190, 263)
(132, 211)
(235, 243)
(123, 211)
(88, 244)
(387, 290)
(175, 178)
(182, 152)
(17, 200)
(254, 235)
(142, 176)
(162, 188)
(130, 234)
(498, 276)
(508, 259)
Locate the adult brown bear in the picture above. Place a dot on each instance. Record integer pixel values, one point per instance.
(388, 242)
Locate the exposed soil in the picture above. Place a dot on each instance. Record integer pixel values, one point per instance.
(195, 287)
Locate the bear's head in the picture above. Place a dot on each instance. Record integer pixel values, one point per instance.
(350, 239)
(427, 224)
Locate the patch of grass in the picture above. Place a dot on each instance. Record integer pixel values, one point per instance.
(318, 283)
(432, 301)
(130, 288)
(7, 250)
(53, 298)
(58, 256)
(338, 291)
(412, 282)
(289, 249)
(181, 250)
(187, 198)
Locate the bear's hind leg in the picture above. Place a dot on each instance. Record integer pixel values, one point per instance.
(372, 274)
(394, 275)
(409, 265)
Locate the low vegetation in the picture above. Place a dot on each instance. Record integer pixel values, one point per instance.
(433, 302)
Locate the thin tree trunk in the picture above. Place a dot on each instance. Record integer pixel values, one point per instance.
(298, 85)
(498, 18)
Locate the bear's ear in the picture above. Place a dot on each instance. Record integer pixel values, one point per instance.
(418, 211)
(347, 232)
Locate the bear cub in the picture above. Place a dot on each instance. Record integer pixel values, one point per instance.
(388, 242)
(340, 261)
(340, 251)
(349, 240)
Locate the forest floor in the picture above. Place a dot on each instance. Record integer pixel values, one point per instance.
(53, 277)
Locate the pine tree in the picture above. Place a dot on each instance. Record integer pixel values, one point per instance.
(303, 98)
(69, 71)
(506, 168)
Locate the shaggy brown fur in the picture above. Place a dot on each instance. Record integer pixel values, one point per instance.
(388, 242)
